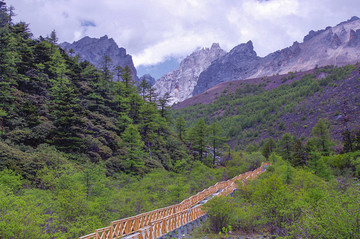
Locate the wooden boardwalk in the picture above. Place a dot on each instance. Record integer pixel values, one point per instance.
(154, 224)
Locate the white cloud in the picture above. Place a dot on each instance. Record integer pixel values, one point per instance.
(152, 30)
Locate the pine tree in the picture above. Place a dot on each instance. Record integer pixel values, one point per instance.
(106, 69)
(321, 136)
(66, 114)
(132, 138)
(286, 146)
(127, 79)
(144, 86)
(299, 154)
(2, 128)
(53, 40)
(163, 103)
(216, 140)
(180, 127)
(268, 147)
(198, 138)
(5, 18)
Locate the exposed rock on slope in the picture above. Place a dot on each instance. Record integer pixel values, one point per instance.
(337, 45)
(94, 49)
(149, 79)
(180, 83)
(240, 62)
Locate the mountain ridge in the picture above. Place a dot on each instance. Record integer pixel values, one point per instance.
(330, 46)
(94, 49)
(181, 82)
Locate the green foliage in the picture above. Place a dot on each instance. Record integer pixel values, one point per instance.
(216, 140)
(47, 96)
(252, 111)
(132, 138)
(286, 145)
(180, 127)
(268, 147)
(198, 135)
(321, 137)
(219, 211)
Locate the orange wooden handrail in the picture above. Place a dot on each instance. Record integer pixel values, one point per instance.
(161, 221)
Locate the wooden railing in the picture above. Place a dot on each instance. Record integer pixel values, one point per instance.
(161, 221)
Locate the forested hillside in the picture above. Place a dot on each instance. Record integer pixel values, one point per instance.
(75, 146)
(50, 98)
(254, 110)
(79, 149)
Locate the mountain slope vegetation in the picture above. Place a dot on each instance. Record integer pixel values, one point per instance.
(254, 110)
(79, 150)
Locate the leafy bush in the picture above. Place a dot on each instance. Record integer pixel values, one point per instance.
(219, 210)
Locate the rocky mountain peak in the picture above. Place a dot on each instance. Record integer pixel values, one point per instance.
(337, 45)
(244, 50)
(180, 83)
(94, 50)
(215, 46)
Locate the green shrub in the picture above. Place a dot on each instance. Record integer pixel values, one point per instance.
(220, 211)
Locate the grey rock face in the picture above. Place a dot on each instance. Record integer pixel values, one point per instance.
(240, 62)
(180, 83)
(149, 79)
(94, 49)
(337, 45)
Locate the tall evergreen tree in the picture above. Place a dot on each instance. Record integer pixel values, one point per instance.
(180, 127)
(134, 161)
(144, 86)
(299, 155)
(268, 147)
(216, 140)
(66, 114)
(163, 103)
(198, 138)
(2, 128)
(321, 137)
(106, 70)
(286, 145)
(127, 79)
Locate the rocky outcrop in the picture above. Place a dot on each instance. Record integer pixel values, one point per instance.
(93, 50)
(337, 45)
(149, 79)
(240, 62)
(180, 83)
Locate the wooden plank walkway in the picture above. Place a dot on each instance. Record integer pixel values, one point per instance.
(154, 224)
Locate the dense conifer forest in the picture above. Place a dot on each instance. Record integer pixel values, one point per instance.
(81, 146)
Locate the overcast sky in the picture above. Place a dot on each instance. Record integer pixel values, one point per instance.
(153, 30)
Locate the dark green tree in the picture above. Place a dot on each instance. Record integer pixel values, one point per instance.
(268, 147)
(66, 112)
(216, 140)
(299, 155)
(2, 116)
(180, 127)
(127, 79)
(134, 160)
(163, 104)
(152, 95)
(286, 145)
(321, 137)
(4, 15)
(144, 86)
(348, 141)
(53, 39)
(106, 69)
(198, 138)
